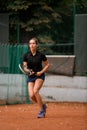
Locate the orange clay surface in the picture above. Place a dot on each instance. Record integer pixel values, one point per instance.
(60, 116)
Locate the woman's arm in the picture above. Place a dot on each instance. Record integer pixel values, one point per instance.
(25, 67)
(45, 68)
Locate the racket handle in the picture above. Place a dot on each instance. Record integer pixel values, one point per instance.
(32, 73)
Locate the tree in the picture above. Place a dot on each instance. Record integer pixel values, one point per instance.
(51, 21)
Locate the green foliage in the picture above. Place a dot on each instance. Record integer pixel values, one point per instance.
(51, 21)
(81, 6)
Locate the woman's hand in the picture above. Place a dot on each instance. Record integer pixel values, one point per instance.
(38, 73)
(31, 73)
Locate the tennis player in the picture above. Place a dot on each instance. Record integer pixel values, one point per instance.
(37, 62)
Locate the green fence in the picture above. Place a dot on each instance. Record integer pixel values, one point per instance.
(11, 56)
(58, 49)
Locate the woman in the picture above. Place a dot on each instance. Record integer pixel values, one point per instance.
(33, 61)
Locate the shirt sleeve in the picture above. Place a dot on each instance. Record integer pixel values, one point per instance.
(25, 58)
(44, 58)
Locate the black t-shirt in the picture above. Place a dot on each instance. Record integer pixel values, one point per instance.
(34, 62)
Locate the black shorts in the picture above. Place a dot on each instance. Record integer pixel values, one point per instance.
(33, 78)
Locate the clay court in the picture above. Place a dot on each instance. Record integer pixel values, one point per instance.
(60, 116)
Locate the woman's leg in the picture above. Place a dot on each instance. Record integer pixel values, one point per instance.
(37, 86)
(31, 91)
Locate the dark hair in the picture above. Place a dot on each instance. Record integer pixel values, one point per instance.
(35, 39)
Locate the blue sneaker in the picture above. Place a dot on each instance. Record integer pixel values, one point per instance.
(41, 114)
(45, 107)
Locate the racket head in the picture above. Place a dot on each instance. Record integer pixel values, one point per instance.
(29, 73)
(21, 68)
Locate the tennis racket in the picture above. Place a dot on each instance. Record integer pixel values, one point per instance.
(31, 72)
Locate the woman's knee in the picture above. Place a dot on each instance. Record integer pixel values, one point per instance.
(32, 95)
(36, 91)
